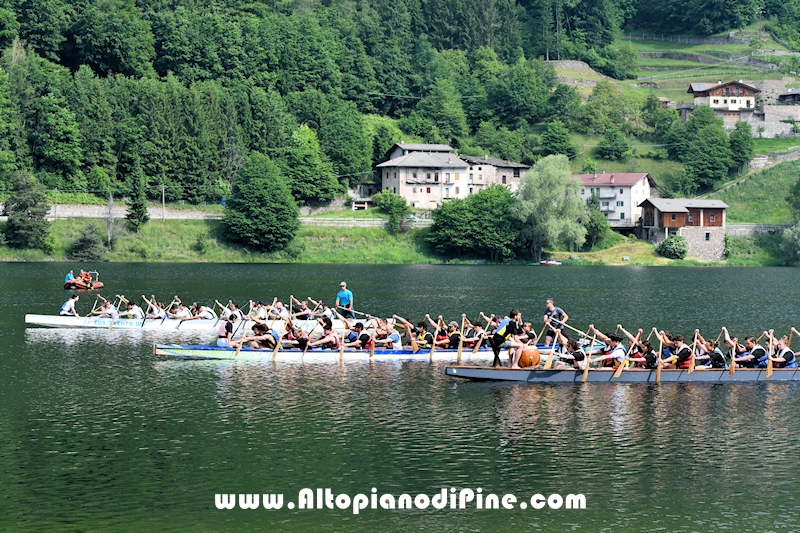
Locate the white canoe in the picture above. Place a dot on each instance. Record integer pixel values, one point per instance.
(169, 324)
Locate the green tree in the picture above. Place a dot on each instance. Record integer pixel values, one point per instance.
(442, 107)
(790, 246)
(343, 138)
(57, 145)
(613, 146)
(137, 215)
(495, 230)
(308, 170)
(9, 126)
(518, 95)
(393, 205)
(27, 209)
(657, 117)
(261, 212)
(549, 208)
(793, 198)
(707, 158)
(8, 27)
(606, 108)
(557, 140)
(43, 24)
(741, 142)
(382, 141)
(596, 223)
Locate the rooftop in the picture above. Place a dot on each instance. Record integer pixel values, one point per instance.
(425, 160)
(703, 87)
(495, 162)
(625, 179)
(682, 205)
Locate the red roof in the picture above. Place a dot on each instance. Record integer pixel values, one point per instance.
(626, 179)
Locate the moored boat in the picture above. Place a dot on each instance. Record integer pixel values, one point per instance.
(550, 262)
(633, 375)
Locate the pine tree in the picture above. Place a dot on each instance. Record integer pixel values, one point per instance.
(557, 140)
(741, 141)
(26, 209)
(137, 206)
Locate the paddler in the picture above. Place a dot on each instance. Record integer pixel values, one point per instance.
(614, 352)
(132, 310)
(573, 356)
(783, 356)
(753, 356)
(68, 309)
(364, 340)
(452, 338)
(225, 333)
(391, 338)
(681, 357)
(329, 339)
(262, 338)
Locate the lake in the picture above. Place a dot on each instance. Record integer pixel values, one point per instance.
(97, 434)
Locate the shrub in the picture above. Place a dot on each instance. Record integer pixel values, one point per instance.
(673, 247)
(87, 247)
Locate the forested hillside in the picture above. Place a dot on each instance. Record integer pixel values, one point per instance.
(95, 95)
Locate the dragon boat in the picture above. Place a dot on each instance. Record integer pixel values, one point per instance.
(631, 375)
(319, 355)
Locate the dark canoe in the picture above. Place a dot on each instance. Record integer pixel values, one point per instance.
(479, 373)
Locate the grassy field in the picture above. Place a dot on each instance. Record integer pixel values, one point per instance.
(372, 212)
(762, 197)
(763, 145)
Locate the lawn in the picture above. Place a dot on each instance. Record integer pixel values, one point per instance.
(763, 145)
(762, 198)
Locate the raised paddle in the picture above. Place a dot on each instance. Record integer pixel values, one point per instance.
(305, 349)
(439, 325)
(461, 338)
(414, 345)
(149, 305)
(732, 369)
(658, 360)
(627, 355)
(694, 347)
(769, 355)
(588, 357)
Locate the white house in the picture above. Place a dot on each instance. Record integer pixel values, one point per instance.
(485, 170)
(620, 194)
(426, 179)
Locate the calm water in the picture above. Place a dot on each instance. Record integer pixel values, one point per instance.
(97, 434)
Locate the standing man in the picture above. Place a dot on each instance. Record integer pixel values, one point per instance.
(551, 315)
(345, 299)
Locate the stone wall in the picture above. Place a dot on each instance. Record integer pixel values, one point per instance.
(712, 249)
(755, 230)
(761, 161)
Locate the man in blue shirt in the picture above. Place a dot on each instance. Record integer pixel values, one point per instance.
(69, 277)
(345, 299)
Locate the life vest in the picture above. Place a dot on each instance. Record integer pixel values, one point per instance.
(368, 345)
(684, 355)
(222, 332)
(422, 339)
(450, 336)
(717, 359)
(790, 362)
(759, 357)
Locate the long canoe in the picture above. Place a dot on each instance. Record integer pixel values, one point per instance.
(317, 355)
(169, 324)
(478, 373)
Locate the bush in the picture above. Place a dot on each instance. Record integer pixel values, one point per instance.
(87, 247)
(673, 247)
(395, 206)
(202, 244)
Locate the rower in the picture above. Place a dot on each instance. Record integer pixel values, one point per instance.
(554, 317)
(179, 311)
(614, 352)
(527, 329)
(304, 313)
(262, 338)
(755, 356)
(682, 358)
(157, 310)
(68, 309)
(439, 330)
(642, 355)
(225, 333)
(452, 338)
(107, 309)
(364, 340)
(709, 353)
(573, 358)
(508, 334)
(258, 311)
(329, 338)
(475, 334)
(131, 309)
(783, 356)
(392, 337)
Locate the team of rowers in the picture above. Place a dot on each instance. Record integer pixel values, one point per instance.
(498, 333)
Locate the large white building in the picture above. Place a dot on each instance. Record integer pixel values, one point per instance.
(620, 194)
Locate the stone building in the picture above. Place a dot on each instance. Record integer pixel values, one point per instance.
(700, 222)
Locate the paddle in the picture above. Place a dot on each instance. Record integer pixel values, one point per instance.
(149, 305)
(461, 338)
(576, 330)
(769, 354)
(372, 346)
(551, 355)
(694, 347)
(732, 369)
(627, 355)
(439, 325)
(588, 357)
(484, 334)
(658, 360)
(352, 310)
(305, 349)
(166, 313)
(277, 347)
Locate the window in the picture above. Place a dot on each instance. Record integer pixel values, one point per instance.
(458, 176)
(620, 203)
(604, 204)
(428, 190)
(470, 168)
(583, 191)
(622, 216)
(712, 218)
(480, 168)
(414, 175)
(428, 177)
(620, 191)
(748, 102)
(394, 190)
(727, 91)
(456, 190)
(395, 175)
(436, 177)
(516, 172)
(504, 180)
(733, 101)
(725, 101)
(470, 190)
(447, 192)
(414, 190)
(716, 101)
(673, 216)
(471, 177)
(480, 177)
(708, 236)
(690, 218)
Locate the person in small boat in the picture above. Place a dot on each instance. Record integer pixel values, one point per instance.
(508, 333)
(68, 309)
(614, 352)
(783, 356)
(364, 340)
(225, 332)
(708, 353)
(86, 278)
(70, 276)
(554, 317)
(391, 338)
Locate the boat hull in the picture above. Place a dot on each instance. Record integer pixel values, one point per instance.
(80, 285)
(477, 373)
(315, 355)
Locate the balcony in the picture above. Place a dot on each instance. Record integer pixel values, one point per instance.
(607, 196)
(608, 208)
